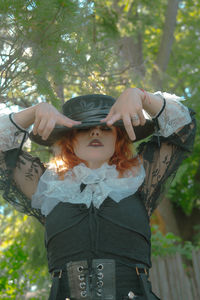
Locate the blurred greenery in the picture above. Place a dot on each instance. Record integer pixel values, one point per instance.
(169, 244)
(54, 49)
(23, 263)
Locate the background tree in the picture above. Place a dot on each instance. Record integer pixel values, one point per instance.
(52, 50)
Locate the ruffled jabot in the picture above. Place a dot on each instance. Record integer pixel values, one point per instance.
(99, 184)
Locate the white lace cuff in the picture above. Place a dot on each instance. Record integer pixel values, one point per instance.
(174, 116)
(11, 136)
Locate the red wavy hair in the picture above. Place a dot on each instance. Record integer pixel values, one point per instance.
(122, 157)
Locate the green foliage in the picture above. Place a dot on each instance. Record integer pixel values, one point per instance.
(45, 38)
(186, 189)
(169, 244)
(12, 280)
(23, 262)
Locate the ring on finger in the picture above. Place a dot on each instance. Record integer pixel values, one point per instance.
(135, 118)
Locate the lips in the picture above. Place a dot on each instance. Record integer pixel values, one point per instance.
(95, 143)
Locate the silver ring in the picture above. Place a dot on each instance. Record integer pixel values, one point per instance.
(135, 118)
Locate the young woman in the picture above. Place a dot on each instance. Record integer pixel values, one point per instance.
(95, 198)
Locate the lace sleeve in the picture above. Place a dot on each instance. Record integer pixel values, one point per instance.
(19, 171)
(177, 133)
(174, 116)
(11, 136)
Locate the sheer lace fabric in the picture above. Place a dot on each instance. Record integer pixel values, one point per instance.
(174, 116)
(19, 172)
(100, 183)
(161, 163)
(11, 137)
(19, 184)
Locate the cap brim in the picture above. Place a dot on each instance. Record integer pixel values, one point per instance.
(141, 132)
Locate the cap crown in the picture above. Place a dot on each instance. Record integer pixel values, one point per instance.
(90, 107)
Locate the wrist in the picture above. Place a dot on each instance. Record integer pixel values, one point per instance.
(136, 92)
(144, 96)
(26, 117)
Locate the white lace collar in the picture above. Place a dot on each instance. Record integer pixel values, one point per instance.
(100, 183)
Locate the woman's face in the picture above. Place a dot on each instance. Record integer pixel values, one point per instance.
(96, 145)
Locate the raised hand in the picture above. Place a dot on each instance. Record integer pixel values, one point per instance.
(46, 117)
(128, 107)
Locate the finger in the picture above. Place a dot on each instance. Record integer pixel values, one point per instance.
(142, 118)
(129, 127)
(42, 126)
(113, 119)
(135, 119)
(48, 129)
(109, 116)
(36, 125)
(65, 121)
(103, 120)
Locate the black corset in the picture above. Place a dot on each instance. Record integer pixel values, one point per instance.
(115, 230)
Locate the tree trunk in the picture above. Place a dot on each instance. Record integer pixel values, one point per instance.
(164, 52)
(165, 208)
(131, 51)
(166, 211)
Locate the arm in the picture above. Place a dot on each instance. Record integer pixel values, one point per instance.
(132, 102)
(161, 162)
(19, 171)
(44, 116)
(177, 132)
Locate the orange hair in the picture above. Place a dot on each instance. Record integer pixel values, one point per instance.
(122, 157)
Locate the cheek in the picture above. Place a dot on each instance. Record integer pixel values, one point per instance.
(80, 146)
(77, 147)
(111, 144)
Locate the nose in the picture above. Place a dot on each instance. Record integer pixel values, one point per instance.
(96, 131)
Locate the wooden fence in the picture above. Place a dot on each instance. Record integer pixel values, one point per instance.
(173, 279)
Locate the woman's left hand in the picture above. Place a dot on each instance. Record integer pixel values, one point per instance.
(128, 107)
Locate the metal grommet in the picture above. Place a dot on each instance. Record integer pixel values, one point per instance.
(83, 294)
(100, 275)
(100, 283)
(81, 277)
(99, 292)
(80, 268)
(82, 285)
(131, 295)
(100, 267)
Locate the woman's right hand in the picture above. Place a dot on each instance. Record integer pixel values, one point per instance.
(46, 117)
